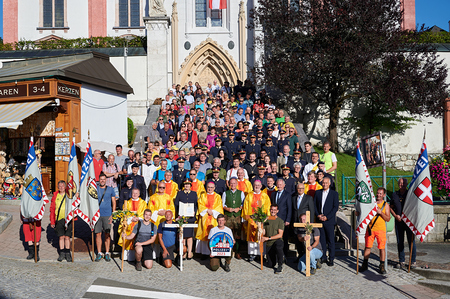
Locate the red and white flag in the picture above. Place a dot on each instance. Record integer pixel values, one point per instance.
(418, 212)
(217, 4)
(73, 186)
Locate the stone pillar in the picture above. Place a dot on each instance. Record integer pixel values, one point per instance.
(175, 65)
(447, 122)
(242, 43)
(158, 35)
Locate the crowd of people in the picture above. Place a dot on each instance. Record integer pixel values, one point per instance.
(215, 157)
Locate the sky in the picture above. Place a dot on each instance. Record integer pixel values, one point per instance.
(428, 12)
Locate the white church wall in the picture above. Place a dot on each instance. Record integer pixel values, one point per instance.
(29, 20)
(104, 114)
(137, 78)
(229, 32)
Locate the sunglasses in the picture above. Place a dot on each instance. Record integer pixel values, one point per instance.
(161, 187)
(192, 174)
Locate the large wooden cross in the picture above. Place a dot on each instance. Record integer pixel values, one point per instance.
(307, 261)
(180, 238)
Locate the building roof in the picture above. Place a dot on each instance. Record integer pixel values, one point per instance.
(91, 67)
(436, 29)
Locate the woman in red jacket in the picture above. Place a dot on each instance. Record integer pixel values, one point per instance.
(57, 222)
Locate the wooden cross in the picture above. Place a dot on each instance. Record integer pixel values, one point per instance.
(307, 262)
(180, 238)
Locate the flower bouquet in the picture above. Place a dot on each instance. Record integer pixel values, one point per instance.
(119, 215)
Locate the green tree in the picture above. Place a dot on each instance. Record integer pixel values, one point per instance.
(334, 53)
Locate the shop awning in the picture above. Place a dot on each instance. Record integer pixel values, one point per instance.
(11, 115)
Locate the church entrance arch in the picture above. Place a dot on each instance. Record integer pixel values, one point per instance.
(209, 62)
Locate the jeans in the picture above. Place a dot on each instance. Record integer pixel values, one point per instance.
(314, 255)
(400, 229)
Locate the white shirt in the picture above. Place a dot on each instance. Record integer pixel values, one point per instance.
(308, 168)
(324, 197)
(215, 88)
(189, 99)
(233, 173)
(299, 200)
(224, 198)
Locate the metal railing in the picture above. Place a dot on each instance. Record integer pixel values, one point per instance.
(348, 188)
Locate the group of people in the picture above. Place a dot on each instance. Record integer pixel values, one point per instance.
(216, 157)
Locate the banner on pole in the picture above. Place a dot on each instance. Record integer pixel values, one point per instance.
(34, 197)
(373, 150)
(73, 186)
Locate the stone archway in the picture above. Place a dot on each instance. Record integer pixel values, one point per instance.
(209, 62)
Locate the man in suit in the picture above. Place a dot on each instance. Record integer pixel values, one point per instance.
(284, 159)
(282, 198)
(301, 203)
(326, 202)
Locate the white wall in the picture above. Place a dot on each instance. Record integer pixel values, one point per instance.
(107, 124)
(28, 19)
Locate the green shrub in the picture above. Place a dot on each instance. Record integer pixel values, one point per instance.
(131, 131)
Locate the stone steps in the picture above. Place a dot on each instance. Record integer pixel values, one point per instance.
(438, 285)
(433, 274)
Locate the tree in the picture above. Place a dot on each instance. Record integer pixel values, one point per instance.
(333, 53)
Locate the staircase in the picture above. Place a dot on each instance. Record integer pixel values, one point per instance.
(142, 131)
(438, 280)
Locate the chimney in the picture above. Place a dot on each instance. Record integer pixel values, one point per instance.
(448, 26)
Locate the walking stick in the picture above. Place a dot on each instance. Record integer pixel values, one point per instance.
(124, 225)
(357, 254)
(73, 235)
(410, 253)
(35, 243)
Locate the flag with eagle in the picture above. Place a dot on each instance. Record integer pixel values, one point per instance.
(73, 186)
(365, 199)
(418, 212)
(89, 209)
(34, 197)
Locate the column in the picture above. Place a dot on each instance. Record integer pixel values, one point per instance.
(157, 55)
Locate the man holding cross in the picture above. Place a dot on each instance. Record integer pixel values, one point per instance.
(313, 246)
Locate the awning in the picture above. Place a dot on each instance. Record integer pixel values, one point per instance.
(11, 115)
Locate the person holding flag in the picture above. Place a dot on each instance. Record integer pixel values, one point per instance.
(33, 204)
(418, 212)
(89, 207)
(57, 221)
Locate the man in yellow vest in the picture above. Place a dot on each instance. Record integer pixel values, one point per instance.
(377, 230)
(329, 158)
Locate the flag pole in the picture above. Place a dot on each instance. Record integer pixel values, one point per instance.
(35, 243)
(92, 232)
(124, 228)
(73, 236)
(410, 253)
(357, 254)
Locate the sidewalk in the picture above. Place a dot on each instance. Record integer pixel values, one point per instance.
(12, 243)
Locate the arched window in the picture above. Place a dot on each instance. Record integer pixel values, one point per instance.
(206, 17)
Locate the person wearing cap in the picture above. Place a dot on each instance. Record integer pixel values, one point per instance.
(214, 151)
(209, 207)
(252, 146)
(284, 159)
(288, 179)
(222, 172)
(255, 198)
(282, 142)
(186, 196)
(232, 146)
(297, 159)
(260, 140)
(138, 180)
(270, 149)
(220, 184)
(261, 176)
(125, 193)
(244, 140)
(198, 151)
(180, 173)
(251, 166)
(183, 154)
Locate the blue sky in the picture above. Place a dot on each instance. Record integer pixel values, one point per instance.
(430, 12)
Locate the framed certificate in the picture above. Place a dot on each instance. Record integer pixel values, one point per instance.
(187, 209)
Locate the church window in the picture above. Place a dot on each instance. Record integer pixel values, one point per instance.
(129, 13)
(200, 13)
(216, 17)
(53, 13)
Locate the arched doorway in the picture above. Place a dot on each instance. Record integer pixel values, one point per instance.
(209, 62)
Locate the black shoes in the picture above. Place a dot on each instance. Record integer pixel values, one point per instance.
(313, 271)
(364, 266)
(330, 263)
(279, 269)
(227, 267)
(62, 255)
(30, 253)
(382, 270)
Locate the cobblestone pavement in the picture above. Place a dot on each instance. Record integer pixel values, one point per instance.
(48, 279)
(20, 278)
